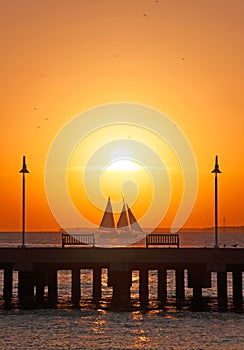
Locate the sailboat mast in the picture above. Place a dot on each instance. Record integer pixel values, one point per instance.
(127, 215)
(123, 223)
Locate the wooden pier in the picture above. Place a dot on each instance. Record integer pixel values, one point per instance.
(38, 267)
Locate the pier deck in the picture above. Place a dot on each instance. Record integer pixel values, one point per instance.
(37, 267)
(32, 256)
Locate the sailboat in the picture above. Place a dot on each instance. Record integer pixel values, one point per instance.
(127, 225)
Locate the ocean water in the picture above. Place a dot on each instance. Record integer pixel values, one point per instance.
(90, 327)
(100, 329)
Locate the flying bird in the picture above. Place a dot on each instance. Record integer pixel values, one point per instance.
(144, 14)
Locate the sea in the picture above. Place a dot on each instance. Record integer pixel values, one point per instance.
(90, 326)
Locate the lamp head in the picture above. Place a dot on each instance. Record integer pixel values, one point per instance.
(216, 168)
(24, 168)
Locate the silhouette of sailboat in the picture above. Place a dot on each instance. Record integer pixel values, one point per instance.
(127, 220)
(127, 225)
(108, 218)
(125, 231)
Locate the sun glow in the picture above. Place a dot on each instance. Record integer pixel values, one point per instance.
(114, 162)
(123, 165)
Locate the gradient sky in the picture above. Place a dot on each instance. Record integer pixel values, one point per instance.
(182, 57)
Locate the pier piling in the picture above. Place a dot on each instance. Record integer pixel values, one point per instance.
(143, 287)
(120, 280)
(180, 287)
(237, 289)
(198, 278)
(26, 289)
(162, 286)
(97, 283)
(222, 290)
(52, 288)
(40, 279)
(8, 285)
(75, 285)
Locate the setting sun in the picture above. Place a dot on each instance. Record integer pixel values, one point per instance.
(123, 165)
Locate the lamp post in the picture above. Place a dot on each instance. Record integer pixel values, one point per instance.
(23, 171)
(216, 171)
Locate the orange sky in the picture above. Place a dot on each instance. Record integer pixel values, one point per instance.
(182, 57)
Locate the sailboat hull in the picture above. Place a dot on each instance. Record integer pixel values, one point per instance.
(117, 238)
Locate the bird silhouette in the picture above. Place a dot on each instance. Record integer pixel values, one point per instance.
(234, 245)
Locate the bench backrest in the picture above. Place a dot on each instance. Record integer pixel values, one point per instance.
(162, 239)
(78, 239)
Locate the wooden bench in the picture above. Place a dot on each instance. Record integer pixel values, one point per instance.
(78, 239)
(163, 239)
